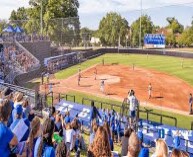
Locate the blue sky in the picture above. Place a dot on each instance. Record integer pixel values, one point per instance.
(92, 11)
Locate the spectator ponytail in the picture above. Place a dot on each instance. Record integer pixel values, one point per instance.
(46, 139)
(35, 126)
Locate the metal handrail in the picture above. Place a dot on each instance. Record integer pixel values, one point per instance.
(101, 104)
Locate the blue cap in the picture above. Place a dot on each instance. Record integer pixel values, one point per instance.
(144, 152)
(19, 109)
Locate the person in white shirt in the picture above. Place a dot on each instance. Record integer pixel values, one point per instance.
(70, 138)
(133, 102)
(149, 90)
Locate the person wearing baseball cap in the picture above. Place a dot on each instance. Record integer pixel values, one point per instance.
(18, 116)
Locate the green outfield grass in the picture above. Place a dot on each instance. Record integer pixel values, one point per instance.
(170, 65)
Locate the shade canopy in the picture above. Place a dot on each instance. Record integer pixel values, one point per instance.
(9, 29)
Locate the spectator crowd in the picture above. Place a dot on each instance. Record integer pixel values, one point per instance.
(23, 133)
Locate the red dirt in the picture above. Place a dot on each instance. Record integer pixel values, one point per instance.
(167, 91)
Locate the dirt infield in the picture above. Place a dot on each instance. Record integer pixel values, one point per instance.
(167, 91)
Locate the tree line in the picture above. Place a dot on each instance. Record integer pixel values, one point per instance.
(61, 23)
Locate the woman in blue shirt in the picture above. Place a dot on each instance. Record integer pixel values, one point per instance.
(18, 115)
(6, 136)
(44, 146)
(35, 132)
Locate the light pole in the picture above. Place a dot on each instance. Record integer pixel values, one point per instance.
(140, 26)
(126, 39)
(41, 18)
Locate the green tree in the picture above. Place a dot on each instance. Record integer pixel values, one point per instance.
(175, 25)
(3, 24)
(170, 39)
(146, 27)
(19, 17)
(186, 38)
(111, 27)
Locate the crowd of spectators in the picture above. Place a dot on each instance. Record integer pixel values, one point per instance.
(21, 37)
(23, 133)
(18, 57)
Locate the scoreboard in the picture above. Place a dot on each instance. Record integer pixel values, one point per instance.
(154, 41)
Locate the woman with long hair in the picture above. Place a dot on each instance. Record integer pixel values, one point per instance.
(107, 128)
(134, 145)
(161, 149)
(44, 146)
(35, 132)
(61, 150)
(100, 146)
(178, 153)
(6, 136)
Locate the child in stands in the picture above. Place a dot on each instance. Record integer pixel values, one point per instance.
(70, 138)
(44, 146)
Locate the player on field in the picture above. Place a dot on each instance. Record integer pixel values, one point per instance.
(190, 102)
(79, 79)
(95, 73)
(149, 90)
(102, 87)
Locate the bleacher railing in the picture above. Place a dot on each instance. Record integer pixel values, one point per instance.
(66, 96)
(112, 106)
(32, 94)
(119, 108)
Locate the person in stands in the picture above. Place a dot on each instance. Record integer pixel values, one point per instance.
(161, 149)
(52, 113)
(7, 138)
(35, 132)
(27, 109)
(70, 138)
(92, 135)
(134, 145)
(67, 117)
(100, 146)
(178, 153)
(18, 118)
(107, 128)
(44, 146)
(58, 124)
(61, 150)
(7, 93)
(124, 141)
(94, 113)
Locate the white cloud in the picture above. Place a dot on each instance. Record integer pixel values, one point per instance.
(103, 6)
(6, 6)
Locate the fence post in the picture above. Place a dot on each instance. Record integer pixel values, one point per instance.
(74, 98)
(59, 97)
(82, 101)
(101, 106)
(66, 96)
(161, 119)
(52, 98)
